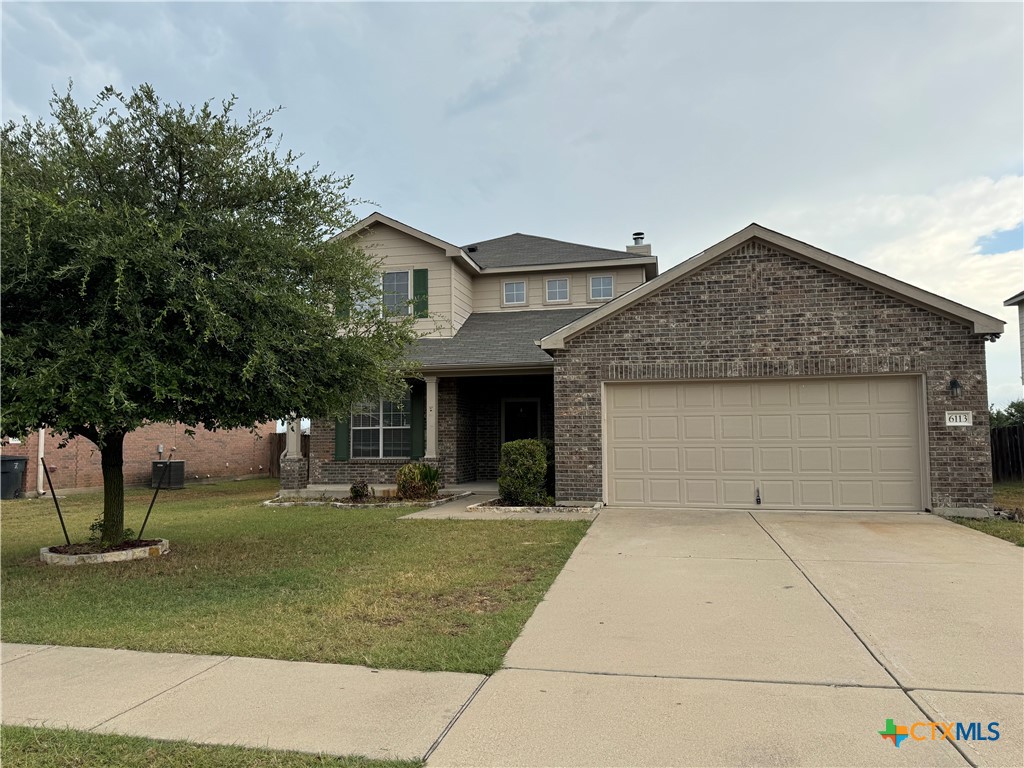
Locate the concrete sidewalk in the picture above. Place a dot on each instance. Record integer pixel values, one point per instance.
(288, 705)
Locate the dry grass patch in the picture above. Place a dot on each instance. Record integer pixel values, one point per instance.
(304, 583)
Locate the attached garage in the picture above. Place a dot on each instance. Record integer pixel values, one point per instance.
(767, 369)
(845, 444)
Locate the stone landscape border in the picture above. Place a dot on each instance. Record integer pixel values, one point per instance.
(279, 502)
(488, 506)
(117, 556)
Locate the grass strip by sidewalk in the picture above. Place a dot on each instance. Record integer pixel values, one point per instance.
(301, 583)
(999, 527)
(22, 747)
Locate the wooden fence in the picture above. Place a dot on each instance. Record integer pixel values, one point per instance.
(277, 441)
(1008, 453)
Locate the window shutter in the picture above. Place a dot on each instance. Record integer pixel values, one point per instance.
(419, 292)
(418, 420)
(342, 437)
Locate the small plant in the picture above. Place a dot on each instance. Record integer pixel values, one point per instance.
(359, 490)
(417, 481)
(409, 482)
(96, 534)
(522, 473)
(430, 476)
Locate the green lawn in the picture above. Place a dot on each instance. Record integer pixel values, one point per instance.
(306, 583)
(48, 748)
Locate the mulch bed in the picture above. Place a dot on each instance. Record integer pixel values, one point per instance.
(88, 548)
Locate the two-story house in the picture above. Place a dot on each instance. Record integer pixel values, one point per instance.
(762, 371)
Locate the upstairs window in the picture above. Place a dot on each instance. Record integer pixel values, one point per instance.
(557, 289)
(514, 292)
(381, 429)
(396, 293)
(602, 287)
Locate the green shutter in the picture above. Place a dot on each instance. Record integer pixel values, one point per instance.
(341, 440)
(419, 293)
(418, 420)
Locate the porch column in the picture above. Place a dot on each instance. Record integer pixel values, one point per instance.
(293, 439)
(431, 447)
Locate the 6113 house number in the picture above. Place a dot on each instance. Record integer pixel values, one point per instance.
(959, 418)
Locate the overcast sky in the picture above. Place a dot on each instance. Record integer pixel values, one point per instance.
(888, 134)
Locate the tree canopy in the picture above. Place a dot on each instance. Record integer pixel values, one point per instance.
(166, 263)
(1011, 416)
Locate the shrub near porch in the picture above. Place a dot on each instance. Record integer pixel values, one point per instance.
(313, 583)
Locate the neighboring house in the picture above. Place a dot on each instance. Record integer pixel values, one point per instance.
(1018, 302)
(761, 372)
(222, 454)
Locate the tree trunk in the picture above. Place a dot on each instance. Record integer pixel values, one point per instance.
(112, 454)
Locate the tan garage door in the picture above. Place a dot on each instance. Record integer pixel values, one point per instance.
(810, 444)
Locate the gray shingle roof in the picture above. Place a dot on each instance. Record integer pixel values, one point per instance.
(528, 250)
(495, 339)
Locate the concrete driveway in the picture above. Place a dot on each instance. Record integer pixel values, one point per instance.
(761, 638)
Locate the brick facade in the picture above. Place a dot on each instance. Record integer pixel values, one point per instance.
(207, 455)
(758, 313)
(468, 433)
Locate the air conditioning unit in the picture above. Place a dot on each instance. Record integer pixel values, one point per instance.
(173, 473)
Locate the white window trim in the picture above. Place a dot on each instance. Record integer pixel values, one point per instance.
(380, 436)
(568, 289)
(411, 295)
(526, 293)
(590, 287)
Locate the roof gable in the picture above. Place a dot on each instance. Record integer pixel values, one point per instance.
(379, 218)
(980, 322)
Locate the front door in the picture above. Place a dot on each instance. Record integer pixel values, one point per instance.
(520, 420)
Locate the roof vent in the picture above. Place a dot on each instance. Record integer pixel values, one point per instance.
(471, 249)
(638, 238)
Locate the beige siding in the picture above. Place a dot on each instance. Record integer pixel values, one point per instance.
(462, 296)
(487, 289)
(396, 251)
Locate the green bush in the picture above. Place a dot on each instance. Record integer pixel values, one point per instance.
(549, 450)
(418, 481)
(522, 473)
(359, 490)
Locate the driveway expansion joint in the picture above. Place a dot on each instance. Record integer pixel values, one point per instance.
(906, 692)
(455, 719)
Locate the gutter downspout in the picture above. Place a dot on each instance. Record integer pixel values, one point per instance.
(40, 453)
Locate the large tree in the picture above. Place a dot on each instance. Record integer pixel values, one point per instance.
(165, 263)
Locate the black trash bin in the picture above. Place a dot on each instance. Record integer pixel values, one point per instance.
(12, 469)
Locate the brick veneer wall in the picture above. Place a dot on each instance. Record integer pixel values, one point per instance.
(207, 455)
(759, 313)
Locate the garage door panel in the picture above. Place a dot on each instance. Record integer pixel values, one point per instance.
(853, 426)
(816, 494)
(627, 460)
(776, 459)
(663, 459)
(700, 459)
(778, 493)
(664, 428)
(811, 444)
(856, 494)
(817, 459)
(813, 426)
(700, 493)
(627, 428)
(665, 492)
(775, 427)
(737, 427)
(854, 459)
(699, 428)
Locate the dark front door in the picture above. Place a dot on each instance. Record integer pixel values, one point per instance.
(520, 420)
